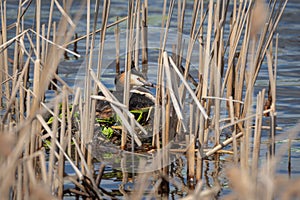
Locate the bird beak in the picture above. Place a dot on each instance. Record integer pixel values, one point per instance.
(146, 83)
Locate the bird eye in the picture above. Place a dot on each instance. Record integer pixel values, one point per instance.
(139, 79)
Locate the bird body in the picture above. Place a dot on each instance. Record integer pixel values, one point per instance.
(140, 96)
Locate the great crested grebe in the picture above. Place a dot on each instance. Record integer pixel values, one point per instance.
(139, 99)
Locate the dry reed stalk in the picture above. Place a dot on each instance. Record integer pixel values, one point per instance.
(31, 44)
(53, 136)
(166, 103)
(199, 119)
(124, 175)
(234, 142)
(216, 69)
(191, 159)
(164, 93)
(144, 35)
(240, 75)
(100, 174)
(192, 39)
(19, 186)
(42, 161)
(199, 163)
(34, 108)
(17, 86)
(268, 28)
(242, 7)
(68, 137)
(191, 92)
(245, 144)
(238, 33)
(95, 31)
(1, 74)
(13, 109)
(201, 42)
(222, 144)
(21, 103)
(49, 25)
(78, 173)
(62, 141)
(27, 161)
(50, 67)
(78, 185)
(117, 38)
(78, 137)
(36, 89)
(88, 21)
(242, 120)
(28, 105)
(51, 162)
(88, 106)
(91, 181)
(166, 132)
(31, 174)
(242, 26)
(105, 13)
(38, 28)
(207, 48)
(64, 11)
(206, 61)
(247, 106)
(172, 88)
(272, 69)
(23, 139)
(84, 110)
(43, 46)
(137, 20)
(76, 107)
(180, 26)
(7, 43)
(5, 52)
(273, 125)
(128, 64)
(163, 38)
(37, 76)
(257, 131)
(233, 27)
(16, 63)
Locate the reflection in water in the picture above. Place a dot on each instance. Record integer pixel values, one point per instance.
(206, 174)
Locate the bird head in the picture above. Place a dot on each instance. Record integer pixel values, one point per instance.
(136, 80)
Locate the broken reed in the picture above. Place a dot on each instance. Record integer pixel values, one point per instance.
(24, 129)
